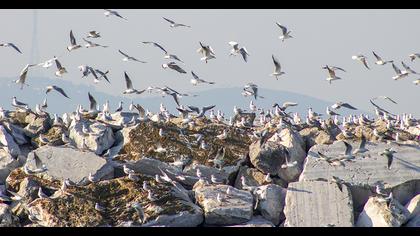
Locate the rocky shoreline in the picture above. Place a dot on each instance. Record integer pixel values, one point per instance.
(136, 170)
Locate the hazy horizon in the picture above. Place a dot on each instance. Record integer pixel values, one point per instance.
(320, 37)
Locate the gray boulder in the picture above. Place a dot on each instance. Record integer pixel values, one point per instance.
(271, 200)
(8, 143)
(99, 139)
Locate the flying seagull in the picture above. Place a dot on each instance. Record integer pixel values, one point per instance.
(90, 44)
(103, 75)
(277, 68)
(56, 88)
(174, 24)
(362, 148)
(399, 73)
(167, 55)
(362, 59)
(207, 51)
(236, 50)
(22, 76)
(414, 56)
(108, 13)
(332, 75)
(130, 88)
(385, 97)
(334, 68)
(93, 34)
(379, 60)
(286, 34)
(407, 69)
(61, 70)
(338, 105)
(73, 44)
(172, 65)
(10, 45)
(129, 58)
(254, 89)
(203, 110)
(389, 154)
(196, 80)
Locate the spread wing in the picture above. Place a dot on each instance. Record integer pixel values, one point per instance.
(123, 53)
(283, 28)
(170, 21)
(346, 105)
(195, 109)
(157, 45)
(276, 63)
(204, 109)
(92, 101)
(140, 109)
(60, 90)
(14, 46)
(72, 39)
(177, 68)
(128, 81)
(377, 57)
(194, 75)
(396, 69)
(58, 64)
(244, 53)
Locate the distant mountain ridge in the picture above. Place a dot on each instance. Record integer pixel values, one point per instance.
(224, 98)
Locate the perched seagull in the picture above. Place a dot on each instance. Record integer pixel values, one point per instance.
(389, 154)
(172, 65)
(92, 178)
(174, 24)
(379, 60)
(129, 85)
(362, 59)
(108, 13)
(120, 107)
(73, 44)
(236, 50)
(10, 45)
(44, 104)
(286, 34)
(90, 44)
(400, 74)
(56, 88)
(167, 55)
(407, 69)
(196, 80)
(60, 69)
(203, 110)
(129, 58)
(277, 68)
(139, 209)
(93, 34)
(332, 75)
(338, 105)
(414, 56)
(331, 113)
(207, 51)
(16, 103)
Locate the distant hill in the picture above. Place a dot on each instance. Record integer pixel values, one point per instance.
(223, 98)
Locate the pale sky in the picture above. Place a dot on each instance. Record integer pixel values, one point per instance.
(320, 37)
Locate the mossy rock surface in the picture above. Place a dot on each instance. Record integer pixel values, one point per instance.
(145, 137)
(77, 208)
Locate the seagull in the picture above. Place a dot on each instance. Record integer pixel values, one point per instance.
(108, 13)
(93, 34)
(172, 65)
(90, 44)
(150, 196)
(219, 198)
(385, 97)
(22, 76)
(103, 75)
(129, 58)
(10, 45)
(207, 51)
(44, 104)
(236, 50)
(400, 74)
(254, 89)
(331, 113)
(277, 70)
(203, 110)
(362, 59)
(167, 55)
(56, 88)
(48, 63)
(286, 34)
(16, 103)
(196, 80)
(348, 152)
(362, 145)
(389, 154)
(129, 85)
(407, 69)
(414, 56)
(120, 107)
(92, 179)
(60, 69)
(73, 44)
(332, 75)
(334, 68)
(288, 164)
(379, 60)
(139, 209)
(285, 105)
(268, 178)
(174, 24)
(338, 105)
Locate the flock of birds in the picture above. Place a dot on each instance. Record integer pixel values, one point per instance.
(277, 117)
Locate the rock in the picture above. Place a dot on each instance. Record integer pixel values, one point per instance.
(318, 203)
(414, 222)
(413, 206)
(378, 214)
(236, 208)
(123, 117)
(8, 143)
(17, 133)
(37, 125)
(313, 135)
(122, 138)
(254, 177)
(77, 209)
(53, 135)
(271, 199)
(224, 175)
(7, 164)
(181, 219)
(363, 173)
(100, 138)
(295, 145)
(64, 162)
(7, 219)
(267, 158)
(256, 221)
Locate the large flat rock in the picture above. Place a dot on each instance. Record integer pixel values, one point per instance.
(62, 163)
(317, 204)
